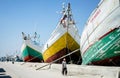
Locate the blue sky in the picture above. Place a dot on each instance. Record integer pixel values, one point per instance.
(42, 16)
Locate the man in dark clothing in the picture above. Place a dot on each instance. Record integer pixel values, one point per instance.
(64, 67)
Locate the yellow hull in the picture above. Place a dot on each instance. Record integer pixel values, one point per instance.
(59, 45)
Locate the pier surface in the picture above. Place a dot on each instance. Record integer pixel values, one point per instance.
(28, 70)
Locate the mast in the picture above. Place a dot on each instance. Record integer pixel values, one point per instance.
(68, 21)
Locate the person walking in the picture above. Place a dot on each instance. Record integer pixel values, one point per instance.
(64, 67)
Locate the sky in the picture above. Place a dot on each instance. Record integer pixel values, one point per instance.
(41, 16)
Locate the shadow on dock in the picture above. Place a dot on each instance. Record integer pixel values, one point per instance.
(3, 75)
(2, 70)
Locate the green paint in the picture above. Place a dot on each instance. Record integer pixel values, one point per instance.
(104, 48)
(28, 51)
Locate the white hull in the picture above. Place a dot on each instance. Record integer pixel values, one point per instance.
(103, 19)
(31, 45)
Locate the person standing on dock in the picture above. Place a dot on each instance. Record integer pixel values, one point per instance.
(64, 67)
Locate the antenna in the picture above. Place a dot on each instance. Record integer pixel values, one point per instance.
(24, 36)
(63, 9)
(63, 6)
(35, 35)
(35, 27)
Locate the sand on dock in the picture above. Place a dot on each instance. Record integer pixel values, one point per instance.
(28, 70)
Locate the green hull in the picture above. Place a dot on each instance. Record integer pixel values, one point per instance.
(106, 47)
(31, 55)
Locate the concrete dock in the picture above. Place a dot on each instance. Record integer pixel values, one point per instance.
(28, 70)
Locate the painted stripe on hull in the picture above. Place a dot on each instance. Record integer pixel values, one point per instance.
(32, 59)
(74, 57)
(104, 48)
(57, 55)
(113, 61)
(100, 39)
(32, 53)
(59, 45)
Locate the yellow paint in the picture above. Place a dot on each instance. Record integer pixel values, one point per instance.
(59, 45)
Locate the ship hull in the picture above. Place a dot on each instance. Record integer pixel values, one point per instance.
(100, 40)
(63, 40)
(58, 49)
(106, 51)
(31, 55)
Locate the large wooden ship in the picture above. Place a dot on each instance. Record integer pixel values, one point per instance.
(100, 40)
(64, 39)
(31, 50)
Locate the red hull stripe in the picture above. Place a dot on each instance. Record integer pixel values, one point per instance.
(61, 53)
(113, 61)
(56, 56)
(31, 59)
